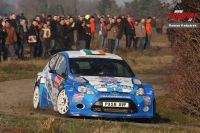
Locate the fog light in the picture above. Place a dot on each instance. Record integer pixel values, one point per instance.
(146, 108)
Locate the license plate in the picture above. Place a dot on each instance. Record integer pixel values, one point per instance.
(115, 104)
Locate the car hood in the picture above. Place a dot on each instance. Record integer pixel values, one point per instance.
(108, 84)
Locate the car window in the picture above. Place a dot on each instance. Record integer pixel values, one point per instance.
(53, 61)
(61, 66)
(101, 67)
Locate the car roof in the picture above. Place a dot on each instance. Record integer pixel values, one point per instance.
(91, 54)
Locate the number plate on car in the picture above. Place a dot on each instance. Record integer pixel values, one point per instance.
(115, 104)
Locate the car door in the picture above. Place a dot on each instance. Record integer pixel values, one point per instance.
(56, 75)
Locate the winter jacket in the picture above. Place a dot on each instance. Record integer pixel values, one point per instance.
(22, 35)
(62, 31)
(140, 30)
(112, 31)
(54, 30)
(148, 28)
(121, 30)
(42, 35)
(93, 28)
(13, 23)
(160, 23)
(82, 33)
(100, 29)
(153, 22)
(129, 29)
(10, 35)
(33, 31)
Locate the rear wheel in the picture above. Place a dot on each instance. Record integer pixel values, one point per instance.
(62, 103)
(36, 97)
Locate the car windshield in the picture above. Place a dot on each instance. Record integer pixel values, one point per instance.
(100, 67)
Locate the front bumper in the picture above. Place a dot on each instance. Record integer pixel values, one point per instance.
(138, 107)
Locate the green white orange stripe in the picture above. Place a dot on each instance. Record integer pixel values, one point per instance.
(92, 52)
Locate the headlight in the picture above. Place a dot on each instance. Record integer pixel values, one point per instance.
(85, 89)
(139, 92)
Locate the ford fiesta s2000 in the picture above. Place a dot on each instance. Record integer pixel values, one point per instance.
(92, 83)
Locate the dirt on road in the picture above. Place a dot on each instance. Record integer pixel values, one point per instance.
(16, 96)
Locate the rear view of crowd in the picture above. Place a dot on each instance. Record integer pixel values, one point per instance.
(55, 33)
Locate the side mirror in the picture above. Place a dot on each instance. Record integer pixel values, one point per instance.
(52, 71)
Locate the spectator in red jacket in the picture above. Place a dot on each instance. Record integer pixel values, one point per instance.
(148, 33)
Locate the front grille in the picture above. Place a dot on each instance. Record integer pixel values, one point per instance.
(98, 106)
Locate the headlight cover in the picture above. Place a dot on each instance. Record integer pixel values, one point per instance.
(139, 92)
(85, 90)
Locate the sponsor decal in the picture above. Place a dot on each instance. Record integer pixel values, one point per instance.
(98, 87)
(114, 96)
(77, 97)
(147, 100)
(56, 82)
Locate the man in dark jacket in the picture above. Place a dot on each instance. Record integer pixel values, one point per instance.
(88, 35)
(62, 34)
(82, 36)
(119, 35)
(33, 31)
(54, 32)
(129, 32)
(23, 37)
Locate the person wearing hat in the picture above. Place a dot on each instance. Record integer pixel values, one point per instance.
(22, 31)
(10, 39)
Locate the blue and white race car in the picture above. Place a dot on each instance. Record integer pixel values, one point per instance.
(92, 83)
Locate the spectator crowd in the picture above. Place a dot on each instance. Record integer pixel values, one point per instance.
(47, 33)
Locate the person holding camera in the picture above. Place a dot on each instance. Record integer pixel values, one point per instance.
(112, 35)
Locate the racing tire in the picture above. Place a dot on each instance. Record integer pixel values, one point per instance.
(62, 103)
(36, 97)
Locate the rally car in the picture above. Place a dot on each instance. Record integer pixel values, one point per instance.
(92, 83)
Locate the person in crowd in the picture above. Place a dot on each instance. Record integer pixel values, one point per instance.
(93, 27)
(62, 35)
(37, 17)
(13, 23)
(78, 25)
(136, 35)
(54, 32)
(1, 38)
(45, 35)
(71, 33)
(23, 17)
(82, 35)
(129, 32)
(88, 35)
(148, 34)
(160, 25)
(153, 24)
(102, 30)
(112, 35)
(43, 18)
(10, 39)
(34, 31)
(69, 29)
(22, 31)
(141, 33)
(119, 35)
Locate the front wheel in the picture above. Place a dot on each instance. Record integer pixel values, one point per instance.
(36, 97)
(62, 103)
